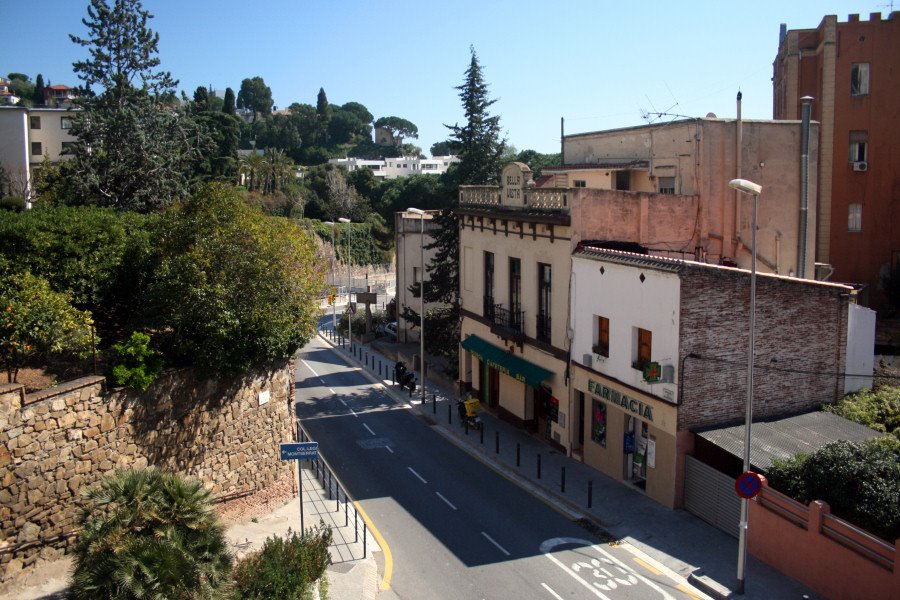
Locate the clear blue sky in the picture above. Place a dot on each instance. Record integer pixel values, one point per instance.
(600, 64)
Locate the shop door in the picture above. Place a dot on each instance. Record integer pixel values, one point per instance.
(546, 410)
(636, 443)
(493, 387)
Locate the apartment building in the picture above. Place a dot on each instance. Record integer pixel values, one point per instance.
(659, 352)
(851, 70)
(409, 269)
(401, 166)
(32, 136)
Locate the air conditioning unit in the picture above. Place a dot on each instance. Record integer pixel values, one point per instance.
(588, 360)
(861, 165)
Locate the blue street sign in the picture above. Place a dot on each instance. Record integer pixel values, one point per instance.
(303, 451)
(748, 485)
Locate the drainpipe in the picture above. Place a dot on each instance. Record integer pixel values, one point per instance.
(562, 140)
(804, 185)
(739, 138)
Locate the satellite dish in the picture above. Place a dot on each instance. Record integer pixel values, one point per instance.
(711, 115)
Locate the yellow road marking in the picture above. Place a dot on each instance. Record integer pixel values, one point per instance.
(647, 566)
(388, 558)
(688, 591)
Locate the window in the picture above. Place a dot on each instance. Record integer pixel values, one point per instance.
(666, 185)
(580, 183)
(544, 294)
(854, 217)
(35, 122)
(417, 273)
(489, 285)
(515, 285)
(858, 142)
(65, 122)
(601, 336)
(598, 422)
(623, 180)
(36, 149)
(642, 349)
(859, 79)
(67, 147)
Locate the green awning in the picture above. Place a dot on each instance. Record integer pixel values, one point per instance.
(509, 364)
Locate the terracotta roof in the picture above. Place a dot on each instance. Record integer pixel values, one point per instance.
(540, 181)
(58, 87)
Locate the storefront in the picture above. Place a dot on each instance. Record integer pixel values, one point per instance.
(628, 434)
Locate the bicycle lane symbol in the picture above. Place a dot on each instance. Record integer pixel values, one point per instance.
(603, 573)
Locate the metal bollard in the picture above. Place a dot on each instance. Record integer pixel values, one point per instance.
(497, 443)
(410, 392)
(346, 510)
(337, 496)
(449, 415)
(590, 493)
(434, 404)
(364, 539)
(482, 434)
(466, 423)
(539, 466)
(562, 483)
(518, 455)
(355, 529)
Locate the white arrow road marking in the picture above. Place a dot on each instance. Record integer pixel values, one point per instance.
(494, 542)
(411, 470)
(441, 496)
(369, 429)
(555, 595)
(608, 569)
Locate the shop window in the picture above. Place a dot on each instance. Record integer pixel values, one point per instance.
(859, 141)
(642, 348)
(666, 185)
(601, 336)
(35, 122)
(854, 217)
(859, 79)
(598, 422)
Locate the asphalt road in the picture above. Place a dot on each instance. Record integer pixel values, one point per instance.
(454, 527)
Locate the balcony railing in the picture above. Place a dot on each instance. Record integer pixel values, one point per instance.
(508, 322)
(543, 327)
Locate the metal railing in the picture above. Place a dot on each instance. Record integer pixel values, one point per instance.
(509, 320)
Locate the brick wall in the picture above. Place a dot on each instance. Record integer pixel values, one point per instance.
(800, 326)
(56, 442)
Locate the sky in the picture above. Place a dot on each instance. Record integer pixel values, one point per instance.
(596, 63)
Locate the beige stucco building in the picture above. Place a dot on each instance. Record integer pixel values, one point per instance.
(409, 243)
(30, 137)
(660, 190)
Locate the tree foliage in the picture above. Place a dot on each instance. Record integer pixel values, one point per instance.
(136, 364)
(35, 320)
(255, 95)
(233, 287)
(146, 533)
(860, 482)
(878, 409)
(228, 102)
(398, 127)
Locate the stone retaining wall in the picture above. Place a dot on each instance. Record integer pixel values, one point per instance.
(58, 441)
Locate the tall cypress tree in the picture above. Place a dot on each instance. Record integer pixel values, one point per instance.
(38, 97)
(228, 104)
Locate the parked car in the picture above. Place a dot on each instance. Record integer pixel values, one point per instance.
(388, 329)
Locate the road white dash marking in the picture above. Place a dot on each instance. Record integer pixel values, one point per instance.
(388, 448)
(333, 392)
(344, 403)
(309, 367)
(447, 502)
(411, 470)
(494, 542)
(353, 413)
(369, 429)
(555, 595)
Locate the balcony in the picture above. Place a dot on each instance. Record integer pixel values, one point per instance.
(508, 324)
(543, 328)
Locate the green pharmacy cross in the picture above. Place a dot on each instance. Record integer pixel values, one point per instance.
(652, 372)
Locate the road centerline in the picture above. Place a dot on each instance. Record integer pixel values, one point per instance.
(447, 502)
(494, 542)
(413, 471)
(369, 429)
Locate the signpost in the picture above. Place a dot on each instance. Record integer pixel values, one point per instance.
(298, 452)
(747, 485)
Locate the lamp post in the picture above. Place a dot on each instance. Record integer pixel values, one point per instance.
(349, 285)
(754, 189)
(333, 309)
(421, 213)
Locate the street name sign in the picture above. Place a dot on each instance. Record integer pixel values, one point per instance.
(301, 451)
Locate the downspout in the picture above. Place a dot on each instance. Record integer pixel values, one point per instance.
(562, 140)
(804, 185)
(739, 138)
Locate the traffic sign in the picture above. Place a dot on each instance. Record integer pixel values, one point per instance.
(748, 484)
(302, 451)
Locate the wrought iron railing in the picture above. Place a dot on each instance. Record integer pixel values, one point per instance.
(543, 327)
(509, 320)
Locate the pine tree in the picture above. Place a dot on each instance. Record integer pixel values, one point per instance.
(228, 104)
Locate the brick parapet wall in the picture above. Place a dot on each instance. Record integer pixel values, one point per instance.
(57, 442)
(800, 346)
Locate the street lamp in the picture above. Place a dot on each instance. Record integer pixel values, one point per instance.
(754, 189)
(334, 302)
(349, 285)
(421, 213)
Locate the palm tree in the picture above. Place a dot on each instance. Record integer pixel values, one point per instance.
(251, 167)
(147, 533)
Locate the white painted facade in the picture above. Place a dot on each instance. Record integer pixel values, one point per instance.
(401, 166)
(619, 295)
(409, 242)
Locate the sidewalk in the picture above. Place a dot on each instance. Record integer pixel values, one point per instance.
(351, 575)
(699, 552)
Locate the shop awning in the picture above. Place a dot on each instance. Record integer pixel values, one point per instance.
(509, 364)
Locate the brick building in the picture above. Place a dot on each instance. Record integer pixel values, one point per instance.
(852, 71)
(689, 321)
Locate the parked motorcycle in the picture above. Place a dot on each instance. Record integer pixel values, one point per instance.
(468, 412)
(405, 377)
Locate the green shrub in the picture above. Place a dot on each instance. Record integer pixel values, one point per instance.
(285, 568)
(860, 482)
(136, 364)
(12, 203)
(878, 409)
(146, 533)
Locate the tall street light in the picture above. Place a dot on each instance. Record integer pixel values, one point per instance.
(349, 285)
(334, 302)
(421, 213)
(754, 189)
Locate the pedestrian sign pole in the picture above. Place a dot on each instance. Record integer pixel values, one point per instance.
(298, 452)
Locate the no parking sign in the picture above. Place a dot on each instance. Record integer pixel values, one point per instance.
(748, 484)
